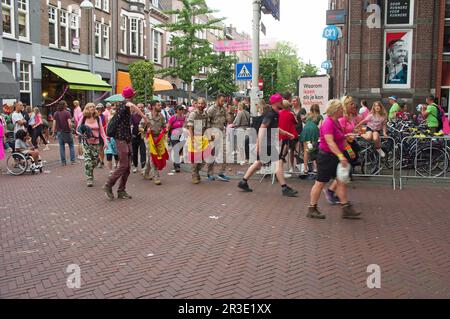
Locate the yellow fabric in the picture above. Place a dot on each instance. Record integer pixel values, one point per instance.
(157, 150)
(201, 143)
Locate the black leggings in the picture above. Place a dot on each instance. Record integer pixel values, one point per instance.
(138, 148)
(38, 132)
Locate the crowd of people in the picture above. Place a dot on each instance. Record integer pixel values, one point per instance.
(140, 138)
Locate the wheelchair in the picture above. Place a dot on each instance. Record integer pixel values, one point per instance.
(18, 164)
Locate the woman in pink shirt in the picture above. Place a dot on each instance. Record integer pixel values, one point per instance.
(91, 130)
(38, 129)
(332, 146)
(77, 115)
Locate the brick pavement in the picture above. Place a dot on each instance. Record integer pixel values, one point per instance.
(164, 243)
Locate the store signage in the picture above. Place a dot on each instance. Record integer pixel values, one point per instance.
(399, 12)
(336, 17)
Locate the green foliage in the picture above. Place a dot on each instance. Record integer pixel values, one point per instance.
(290, 67)
(221, 79)
(141, 74)
(189, 51)
(268, 69)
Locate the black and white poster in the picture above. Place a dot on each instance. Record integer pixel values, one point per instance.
(399, 12)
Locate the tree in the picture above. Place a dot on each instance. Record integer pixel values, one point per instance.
(141, 74)
(221, 78)
(268, 69)
(290, 66)
(189, 51)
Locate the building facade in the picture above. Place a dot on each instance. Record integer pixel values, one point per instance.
(43, 41)
(390, 47)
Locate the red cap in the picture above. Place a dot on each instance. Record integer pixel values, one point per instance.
(276, 98)
(128, 92)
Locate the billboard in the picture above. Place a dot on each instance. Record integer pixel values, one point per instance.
(314, 90)
(399, 12)
(242, 45)
(397, 59)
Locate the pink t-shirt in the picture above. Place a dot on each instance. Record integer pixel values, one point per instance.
(375, 122)
(97, 132)
(330, 127)
(176, 125)
(349, 125)
(77, 114)
(38, 119)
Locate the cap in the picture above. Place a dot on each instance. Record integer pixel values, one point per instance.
(100, 106)
(181, 107)
(276, 98)
(128, 92)
(393, 98)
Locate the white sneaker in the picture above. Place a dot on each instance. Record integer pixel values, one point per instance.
(287, 175)
(81, 157)
(134, 170)
(46, 148)
(382, 154)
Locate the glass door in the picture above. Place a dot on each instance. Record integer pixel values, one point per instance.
(445, 99)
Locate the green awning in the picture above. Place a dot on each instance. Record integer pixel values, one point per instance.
(81, 80)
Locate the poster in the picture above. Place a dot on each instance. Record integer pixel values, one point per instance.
(399, 12)
(314, 90)
(397, 60)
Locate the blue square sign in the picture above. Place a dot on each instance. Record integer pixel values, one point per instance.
(244, 71)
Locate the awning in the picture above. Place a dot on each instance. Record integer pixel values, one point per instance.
(81, 80)
(9, 88)
(124, 80)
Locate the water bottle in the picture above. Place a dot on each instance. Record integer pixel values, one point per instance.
(310, 146)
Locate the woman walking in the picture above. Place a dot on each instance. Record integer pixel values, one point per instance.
(310, 136)
(175, 129)
(333, 144)
(91, 130)
(38, 129)
(240, 125)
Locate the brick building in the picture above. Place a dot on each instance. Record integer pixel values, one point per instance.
(43, 41)
(404, 55)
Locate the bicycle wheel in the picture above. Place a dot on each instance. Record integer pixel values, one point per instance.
(431, 162)
(17, 164)
(370, 163)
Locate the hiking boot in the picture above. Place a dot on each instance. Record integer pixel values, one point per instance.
(244, 186)
(348, 212)
(123, 195)
(196, 180)
(108, 192)
(157, 181)
(331, 197)
(313, 212)
(289, 192)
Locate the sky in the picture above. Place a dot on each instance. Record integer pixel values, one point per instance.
(302, 23)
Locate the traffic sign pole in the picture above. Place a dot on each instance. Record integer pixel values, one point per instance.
(255, 56)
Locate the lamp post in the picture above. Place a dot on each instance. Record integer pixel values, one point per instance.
(89, 6)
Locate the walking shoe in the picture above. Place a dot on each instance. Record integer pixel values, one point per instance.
(134, 170)
(123, 195)
(289, 192)
(331, 197)
(147, 177)
(90, 184)
(101, 164)
(381, 152)
(348, 212)
(157, 181)
(108, 192)
(211, 178)
(196, 180)
(81, 157)
(314, 213)
(287, 175)
(244, 186)
(177, 170)
(46, 148)
(223, 178)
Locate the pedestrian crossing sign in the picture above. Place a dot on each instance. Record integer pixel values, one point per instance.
(244, 71)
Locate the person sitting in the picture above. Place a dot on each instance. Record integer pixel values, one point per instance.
(23, 145)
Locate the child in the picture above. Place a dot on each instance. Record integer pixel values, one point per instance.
(111, 150)
(376, 123)
(23, 145)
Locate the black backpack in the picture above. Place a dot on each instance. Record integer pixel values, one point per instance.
(111, 130)
(257, 122)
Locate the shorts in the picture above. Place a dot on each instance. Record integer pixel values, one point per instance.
(368, 129)
(109, 157)
(327, 164)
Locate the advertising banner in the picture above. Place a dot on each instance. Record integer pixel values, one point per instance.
(397, 60)
(314, 90)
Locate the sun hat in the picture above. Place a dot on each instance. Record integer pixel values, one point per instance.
(276, 98)
(128, 92)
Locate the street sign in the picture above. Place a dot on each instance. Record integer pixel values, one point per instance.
(271, 7)
(244, 71)
(327, 65)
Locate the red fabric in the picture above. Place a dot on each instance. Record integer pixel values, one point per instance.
(287, 123)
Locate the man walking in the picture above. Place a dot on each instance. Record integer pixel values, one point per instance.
(267, 139)
(62, 129)
(217, 117)
(121, 132)
(137, 140)
(154, 125)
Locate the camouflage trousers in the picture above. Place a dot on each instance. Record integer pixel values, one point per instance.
(91, 160)
(149, 165)
(219, 157)
(196, 168)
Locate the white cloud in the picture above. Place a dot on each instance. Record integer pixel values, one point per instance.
(302, 23)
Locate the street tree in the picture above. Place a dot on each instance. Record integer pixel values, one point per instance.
(190, 52)
(142, 74)
(268, 69)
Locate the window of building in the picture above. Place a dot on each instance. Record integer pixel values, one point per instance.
(447, 9)
(74, 32)
(8, 17)
(64, 30)
(25, 83)
(157, 46)
(134, 36)
(98, 4)
(105, 43)
(155, 3)
(106, 5)
(52, 26)
(23, 20)
(447, 40)
(98, 34)
(124, 31)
